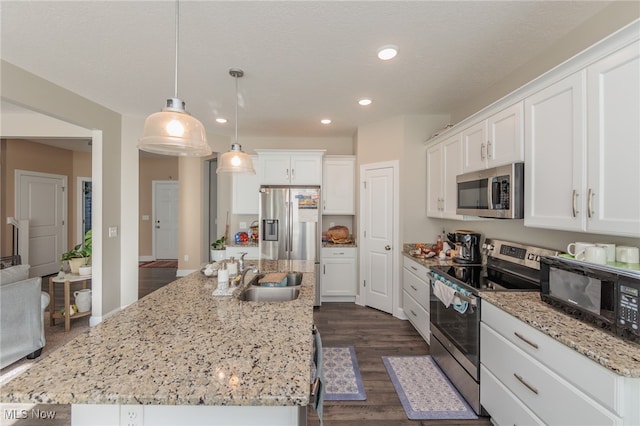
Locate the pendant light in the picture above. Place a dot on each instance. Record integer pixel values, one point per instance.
(173, 131)
(235, 160)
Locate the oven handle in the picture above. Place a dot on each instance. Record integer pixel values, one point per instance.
(472, 300)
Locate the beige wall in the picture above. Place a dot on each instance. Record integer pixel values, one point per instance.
(612, 18)
(151, 169)
(31, 156)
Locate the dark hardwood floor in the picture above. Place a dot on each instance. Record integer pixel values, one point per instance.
(373, 334)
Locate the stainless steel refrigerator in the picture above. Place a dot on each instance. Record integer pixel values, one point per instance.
(291, 225)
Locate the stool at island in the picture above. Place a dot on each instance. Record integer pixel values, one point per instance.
(67, 280)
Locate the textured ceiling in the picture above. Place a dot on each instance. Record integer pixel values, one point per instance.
(303, 60)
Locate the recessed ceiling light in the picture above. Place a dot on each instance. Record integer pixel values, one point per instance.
(365, 102)
(387, 52)
(221, 120)
(325, 121)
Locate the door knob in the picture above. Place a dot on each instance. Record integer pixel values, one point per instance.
(387, 247)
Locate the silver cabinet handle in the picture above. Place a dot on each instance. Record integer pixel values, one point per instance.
(489, 149)
(414, 288)
(387, 247)
(414, 314)
(287, 173)
(574, 199)
(293, 173)
(590, 203)
(482, 151)
(524, 339)
(414, 268)
(527, 385)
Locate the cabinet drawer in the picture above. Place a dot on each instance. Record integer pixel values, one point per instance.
(418, 316)
(545, 393)
(417, 288)
(501, 404)
(601, 384)
(346, 252)
(420, 270)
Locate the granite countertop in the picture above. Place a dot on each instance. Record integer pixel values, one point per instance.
(433, 261)
(329, 244)
(182, 346)
(620, 356)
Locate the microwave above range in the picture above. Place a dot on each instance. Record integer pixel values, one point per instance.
(496, 193)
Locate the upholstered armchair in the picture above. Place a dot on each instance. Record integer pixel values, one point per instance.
(22, 306)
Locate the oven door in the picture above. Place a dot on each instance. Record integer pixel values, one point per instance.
(458, 332)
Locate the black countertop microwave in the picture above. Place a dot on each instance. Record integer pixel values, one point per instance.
(496, 192)
(598, 294)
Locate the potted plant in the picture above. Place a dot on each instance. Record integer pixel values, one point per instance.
(79, 255)
(218, 249)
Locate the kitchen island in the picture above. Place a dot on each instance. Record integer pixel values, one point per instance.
(182, 353)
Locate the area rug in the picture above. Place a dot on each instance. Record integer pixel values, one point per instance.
(159, 264)
(424, 390)
(342, 375)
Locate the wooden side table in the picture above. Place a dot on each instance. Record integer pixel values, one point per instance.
(66, 280)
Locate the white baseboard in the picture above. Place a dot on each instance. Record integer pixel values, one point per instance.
(146, 258)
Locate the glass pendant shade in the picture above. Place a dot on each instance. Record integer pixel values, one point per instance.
(235, 161)
(173, 131)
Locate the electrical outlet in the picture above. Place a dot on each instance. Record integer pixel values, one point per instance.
(186, 258)
(131, 415)
(242, 225)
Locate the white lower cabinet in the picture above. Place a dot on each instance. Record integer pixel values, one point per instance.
(528, 377)
(338, 274)
(415, 296)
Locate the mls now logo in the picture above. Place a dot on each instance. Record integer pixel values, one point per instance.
(20, 414)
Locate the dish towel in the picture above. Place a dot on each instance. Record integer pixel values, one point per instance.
(443, 292)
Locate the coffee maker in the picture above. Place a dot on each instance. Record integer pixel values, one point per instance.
(467, 246)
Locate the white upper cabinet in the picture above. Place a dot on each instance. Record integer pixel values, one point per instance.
(583, 149)
(279, 167)
(338, 185)
(444, 163)
(495, 141)
(555, 155)
(613, 94)
(245, 189)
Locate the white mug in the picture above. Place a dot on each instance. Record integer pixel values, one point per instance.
(593, 254)
(610, 249)
(578, 248)
(627, 254)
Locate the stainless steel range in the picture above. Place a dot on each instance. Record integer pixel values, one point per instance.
(455, 307)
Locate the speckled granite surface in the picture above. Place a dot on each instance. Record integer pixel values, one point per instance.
(334, 245)
(181, 346)
(425, 262)
(620, 356)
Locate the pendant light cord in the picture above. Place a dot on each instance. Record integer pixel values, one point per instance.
(236, 136)
(177, 32)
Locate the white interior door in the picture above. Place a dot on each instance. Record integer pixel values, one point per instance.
(377, 237)
(165, 222)
(41, 199)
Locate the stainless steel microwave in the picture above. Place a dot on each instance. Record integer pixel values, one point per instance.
(497, 192)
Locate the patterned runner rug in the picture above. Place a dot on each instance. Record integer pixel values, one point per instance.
(424, 390)
(342, 375)
(159, 264)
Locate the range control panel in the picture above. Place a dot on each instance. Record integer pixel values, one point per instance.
(522, 254)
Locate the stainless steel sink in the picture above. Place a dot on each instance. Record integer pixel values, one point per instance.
(293, 279)
(269, 294)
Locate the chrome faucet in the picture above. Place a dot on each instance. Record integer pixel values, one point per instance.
(239, 280)
(241, 262)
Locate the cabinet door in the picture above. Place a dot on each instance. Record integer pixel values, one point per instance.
(506, 140)
(613, 197)
(338, 183)
(475, 147)
(245, 190)
(306, 169)
(338, 277)
(274, 169)
(434, 181)
(451, 167)
(555, 156)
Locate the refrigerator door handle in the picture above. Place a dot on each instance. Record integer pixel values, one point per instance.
(290, 237)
